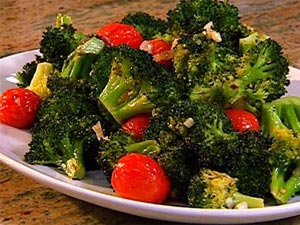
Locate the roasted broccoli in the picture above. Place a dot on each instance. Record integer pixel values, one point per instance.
(212, 189)
(261, 75)
(191, 16)
(133, 82)
(63, 134)
(149, 26)
(181, 128)
(280, 120)
(59, 40)
(245, 77)
(237, 156)
(209, 141)
(119, 143)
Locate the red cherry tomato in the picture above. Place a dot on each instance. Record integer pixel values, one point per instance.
(160, 49)
(139, 177)
(243, 120)
(137, 125)
(18, 107)
(115, 34)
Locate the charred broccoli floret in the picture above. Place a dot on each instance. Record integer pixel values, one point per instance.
(63, 136)
(131, 83)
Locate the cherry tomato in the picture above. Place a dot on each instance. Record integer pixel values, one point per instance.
(139, 177)
(137, 125)
(18, 107)
(243, 120)
(115, 34)
(160, 49)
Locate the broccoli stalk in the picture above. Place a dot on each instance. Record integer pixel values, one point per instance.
(78, 64)
(121, 95)
(283, 190)
(212, 189)
(280, 120)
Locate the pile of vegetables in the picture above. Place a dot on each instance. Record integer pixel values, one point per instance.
(190, 108)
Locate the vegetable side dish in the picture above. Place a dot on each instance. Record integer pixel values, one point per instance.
(190, 108)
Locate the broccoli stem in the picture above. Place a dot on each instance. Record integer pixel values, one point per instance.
(148, 147)
(122, 97)
(79, 62)
(252, 202)
(282, 189)
(73, 153)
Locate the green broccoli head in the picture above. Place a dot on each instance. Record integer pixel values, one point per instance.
(237, 155)
(203, 65)
(191, 16)
(183, 128)
(195, 123)
(180, 164)
(59, 40)
(280, 120)
(63, 135)
(212, 189)
(261, 76)
(149, 26)
(134, 83)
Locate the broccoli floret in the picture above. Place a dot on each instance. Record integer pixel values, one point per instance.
(181, 128)
(59, 40)
(119, 143)
(25, 76)
(203, 65)
(180, 164)
(207, 135)
(212, 189)
(79, 63)
(191, 16)
(280, 120)
(237, 156)
(261, 75)
(135, 83)
(245, 77)
(149, 26)
(188, 121)
(63, 136)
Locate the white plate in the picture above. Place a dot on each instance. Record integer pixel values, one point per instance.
(95, 189)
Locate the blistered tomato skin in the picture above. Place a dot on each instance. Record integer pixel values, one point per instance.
(139, 177)
(18, 107)
(116, 34)
(243, 120)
